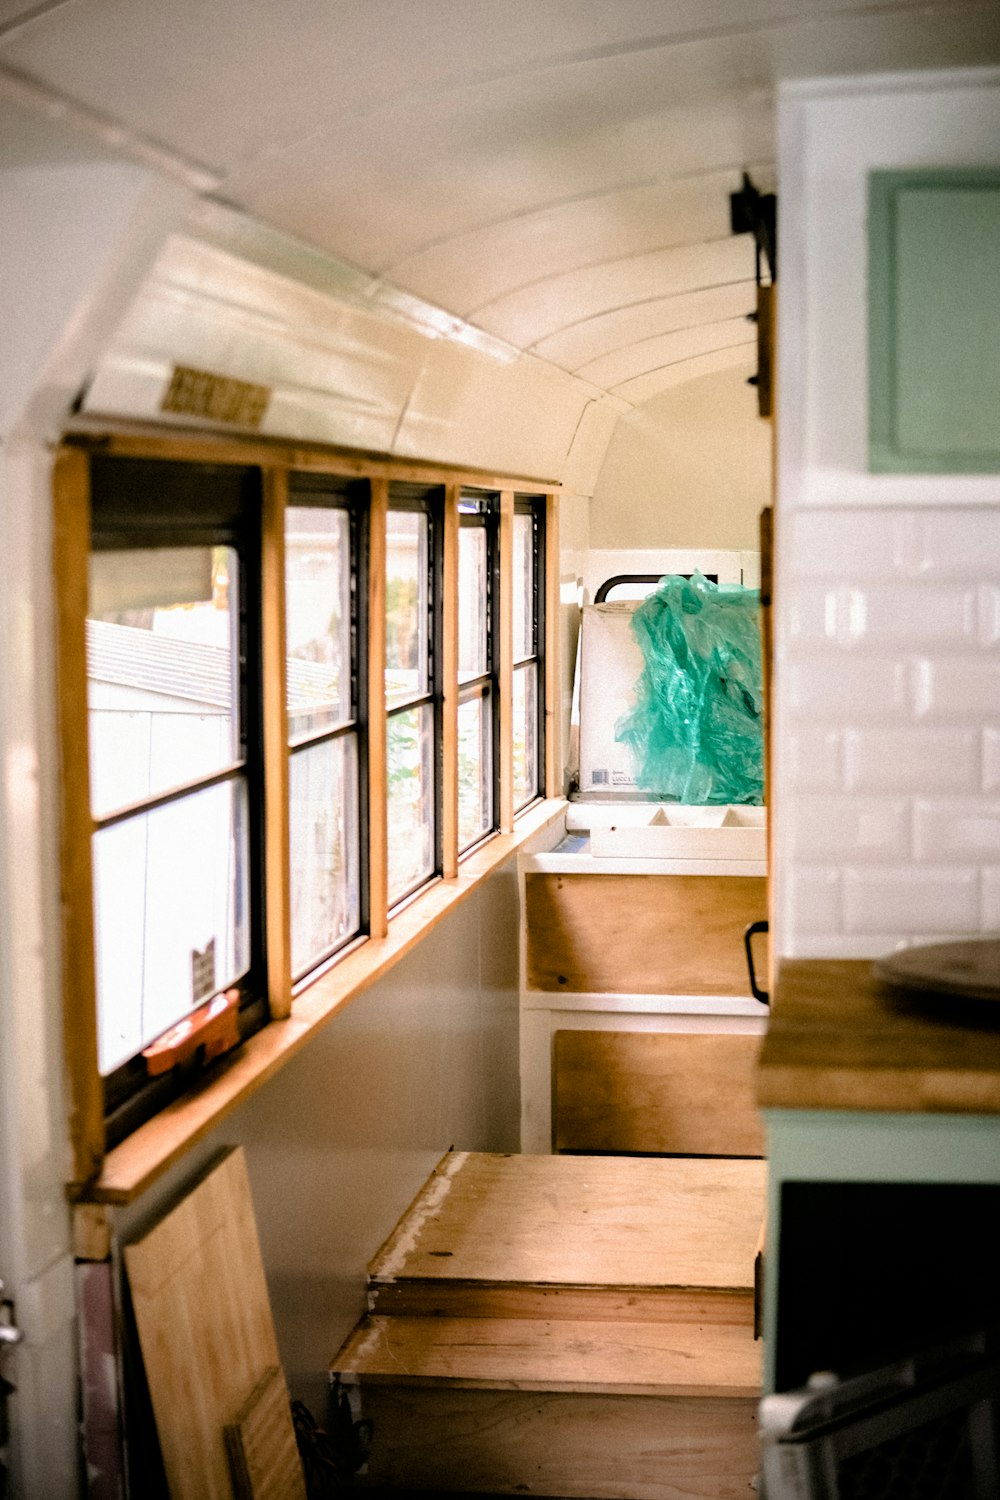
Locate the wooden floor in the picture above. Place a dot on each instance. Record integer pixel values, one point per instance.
(565, 1326)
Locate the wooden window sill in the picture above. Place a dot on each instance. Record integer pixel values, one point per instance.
(136, 1164)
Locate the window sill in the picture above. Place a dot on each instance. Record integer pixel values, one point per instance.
(135, 1165)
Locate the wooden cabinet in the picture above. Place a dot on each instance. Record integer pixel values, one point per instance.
(883, 1131)
(638, 1031)
(934, 321)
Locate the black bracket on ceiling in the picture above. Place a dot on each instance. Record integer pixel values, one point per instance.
(756, 213)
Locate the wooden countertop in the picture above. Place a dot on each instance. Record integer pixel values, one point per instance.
(838, 1040)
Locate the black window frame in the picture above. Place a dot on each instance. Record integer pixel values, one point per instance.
(487, 518)
(332, 492)
(534, 506)
(139, 503)
(428, 500)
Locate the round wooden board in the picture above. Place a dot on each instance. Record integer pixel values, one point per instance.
(967, 970)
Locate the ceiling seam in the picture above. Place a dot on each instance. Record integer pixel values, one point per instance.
(556, 204)
(598, 265)
(652, 338)
(672, 364)
(609, 312)
(105, 130)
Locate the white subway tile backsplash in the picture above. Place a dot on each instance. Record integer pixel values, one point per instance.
(914, 759)
(888, 703)
(991, 899)
(887, 614)
(850, 828)
(918, 614)
(915, 899)
(989, 614)
(845, 544)
(814, 896)
(954, 542)
(848, 688)
(961, 543)
(965, 829)
(813, 759)
(966, 687)
(991, 759)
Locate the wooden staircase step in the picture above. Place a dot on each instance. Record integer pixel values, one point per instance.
(609, 1358)
(474, 1299)
(565, 1325)
(506, 1442)
(556, 1236)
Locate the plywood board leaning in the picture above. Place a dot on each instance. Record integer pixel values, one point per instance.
(204, 1320)
(680, 1093)
(263, 1455)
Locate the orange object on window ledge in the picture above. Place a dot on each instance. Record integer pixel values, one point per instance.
(212, 1029)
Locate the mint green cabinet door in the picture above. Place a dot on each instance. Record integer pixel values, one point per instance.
(934, 321)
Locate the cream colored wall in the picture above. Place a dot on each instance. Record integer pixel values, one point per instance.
(691, 468)
(341, 1140)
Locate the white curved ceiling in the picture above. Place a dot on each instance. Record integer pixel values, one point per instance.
(553, 172)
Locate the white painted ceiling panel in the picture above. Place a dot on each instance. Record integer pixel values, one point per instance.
(646, 387)
(612, 371)
(552, 175)
(535, 312)
(468, 270)
(582, 343)
(518, 418)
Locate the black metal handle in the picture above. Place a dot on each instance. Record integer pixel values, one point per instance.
(748, 936)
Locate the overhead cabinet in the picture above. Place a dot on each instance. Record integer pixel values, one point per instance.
(934, 321)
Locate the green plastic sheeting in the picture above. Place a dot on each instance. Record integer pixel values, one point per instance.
(696, 731)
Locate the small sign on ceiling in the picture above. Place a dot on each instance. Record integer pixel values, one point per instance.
(217, 398)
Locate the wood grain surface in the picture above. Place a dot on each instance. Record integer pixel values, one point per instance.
(581, 1221)
(263, 1454)
(688, 1093)
(838, 1040)
(528, 1443)
(204, 1320)
(640, 934)
(637, 1358)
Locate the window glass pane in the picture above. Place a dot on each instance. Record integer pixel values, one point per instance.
(473, 660)
(475, 769)
(525, 734)
(161, 670)
(406, 644)
(324, 849)
(168, 885)
(318, 617)
(524, 592)
(410, 797)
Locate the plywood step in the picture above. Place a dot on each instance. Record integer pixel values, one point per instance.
(620, 1410)
(606, 1357)
(572, 1326)
(576, 1237)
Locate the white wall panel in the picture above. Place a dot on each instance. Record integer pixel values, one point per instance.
(467, 408)
(341, 1140)
(887, 687)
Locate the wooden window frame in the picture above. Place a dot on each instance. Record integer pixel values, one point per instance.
(120, 1175)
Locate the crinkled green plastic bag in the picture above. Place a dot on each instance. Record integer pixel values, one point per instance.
(696, 731)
